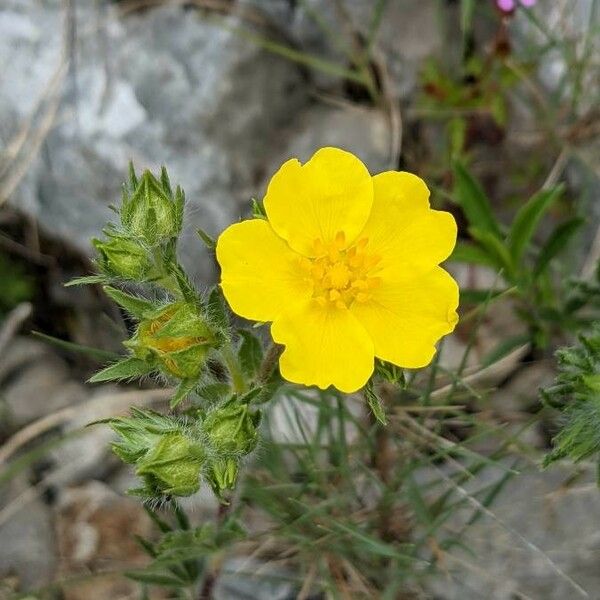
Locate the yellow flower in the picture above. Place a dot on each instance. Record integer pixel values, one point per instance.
(345, 267)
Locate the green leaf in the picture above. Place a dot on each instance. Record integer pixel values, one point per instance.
(87, 280)
(375, 404)
(497, 248)
(250, 353)
(162, 578)
(504, 348)
(124, 369)
(209, 241)
(527, 219)
(96, 353)
(474, 255)
(218, 312)
(184, 389)
(556, 243)
(472, 296)
(475, 204)
(136, 306)
(258, 210)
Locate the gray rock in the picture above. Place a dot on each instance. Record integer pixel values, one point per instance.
(250, 579)
(27, 540)
(36, 383)
(362, 131)
(408, 33)
(164, 86)
(541, 535)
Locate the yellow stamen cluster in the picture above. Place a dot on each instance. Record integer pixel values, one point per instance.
(340, 275)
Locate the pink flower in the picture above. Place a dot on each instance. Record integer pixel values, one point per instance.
(510, 5)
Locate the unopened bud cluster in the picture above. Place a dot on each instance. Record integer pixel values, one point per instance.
(187, 340)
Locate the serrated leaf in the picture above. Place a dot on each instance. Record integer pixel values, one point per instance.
(375, 404)
(124, 369)
(97, 353)
(474, 255)
(250, 353)
(556, 243)
(527, 219)
(87, 280)
(136, 306)
(474, 202)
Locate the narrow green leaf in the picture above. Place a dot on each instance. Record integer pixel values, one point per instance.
(497, 248)
(375, 404)
(87, 280)
(163, 579)
(556, 243)
(136, 306)
(217, 308)
(258, 210)
(209, 241)
(474, 255)
(250, 353)
(474, 202)
(97, 353)
(472, 296)
(124, 369)
(504, 348)
(184, 389)
(527, 219)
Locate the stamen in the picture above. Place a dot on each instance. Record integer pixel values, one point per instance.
(339, 275)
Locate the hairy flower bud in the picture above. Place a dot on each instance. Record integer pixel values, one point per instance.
(123, 257)
(176, 337)
(151, 212)
(222, 474)
(173, 465)
(231, 429)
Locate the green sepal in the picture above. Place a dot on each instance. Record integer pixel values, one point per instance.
(375, 404)
(134, 305)
(124, 369)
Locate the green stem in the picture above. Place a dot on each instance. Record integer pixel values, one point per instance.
(233, 366)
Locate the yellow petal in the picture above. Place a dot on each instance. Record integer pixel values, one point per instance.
(331, 193)
(403, 231)
(260, 274)
(323, 346)
(405, 319)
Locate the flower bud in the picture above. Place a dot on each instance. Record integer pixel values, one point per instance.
(176, 337)
(222, 474)
(231, 429)
(151, 213)
(173, 465)
(123, 257)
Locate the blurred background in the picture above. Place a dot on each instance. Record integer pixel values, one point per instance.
(222, 92)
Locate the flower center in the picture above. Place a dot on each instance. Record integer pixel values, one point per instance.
(341, 276)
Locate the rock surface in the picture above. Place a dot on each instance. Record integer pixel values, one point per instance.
(165, 86)
(541, 536)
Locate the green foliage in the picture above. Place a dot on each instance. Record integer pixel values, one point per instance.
(545, 304)
(15, 285)
(576, 393)
(179, 556)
